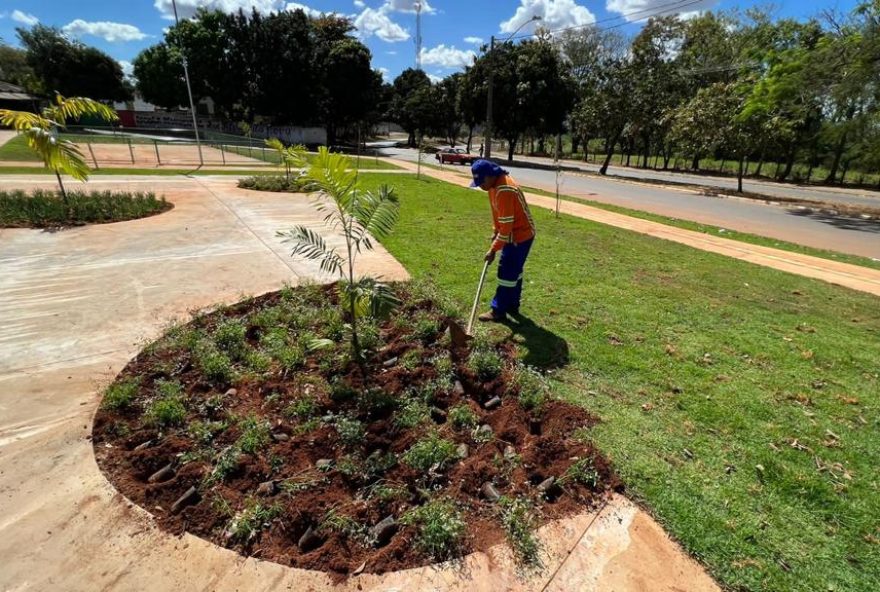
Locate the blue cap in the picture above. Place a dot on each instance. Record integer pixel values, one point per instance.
(485, 168)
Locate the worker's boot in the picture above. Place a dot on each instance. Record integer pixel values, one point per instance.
(492, 317)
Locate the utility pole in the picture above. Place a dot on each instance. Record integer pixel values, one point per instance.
(490, 91)
(418, 39)
(490, 98)
(192, 106)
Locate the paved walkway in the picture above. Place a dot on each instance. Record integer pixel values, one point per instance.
(856, 277)
(76, 305)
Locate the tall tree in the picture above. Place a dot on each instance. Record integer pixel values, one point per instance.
(71, 68)
(411, 104)
(159, 74)
(14, 68)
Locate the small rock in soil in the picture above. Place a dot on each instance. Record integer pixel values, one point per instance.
(462, 450)
(457, 389)
(187, 499)
(163, 474)
(389, 362)
(231, 392)
(486, 428)
(492, 403)
(509, 451)
(489, 492)
(383, 531)
(323, 464)
(280, 437)
(360, 569)
(143, 446)
(546, 484)
(309, 540)
(266, 488)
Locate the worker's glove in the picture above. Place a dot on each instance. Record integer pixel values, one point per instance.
(490, 256)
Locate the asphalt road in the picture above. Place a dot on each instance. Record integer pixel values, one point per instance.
(836, 233)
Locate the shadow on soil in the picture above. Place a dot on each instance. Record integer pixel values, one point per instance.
(843, 221)
(545, 350)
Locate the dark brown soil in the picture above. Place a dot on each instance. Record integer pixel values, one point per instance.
(129, 448)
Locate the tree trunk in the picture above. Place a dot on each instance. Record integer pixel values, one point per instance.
(608, 154)
(739, 176)
(411, 140)
(789, 164)
(511, 148)
(647, 152)
(666, 159)
(695, 163)
(721, 168)
(63, 194)
(575, 142)
(838, 150)
(760, 166)
(470, 137)
(541, 145)
(843, 173)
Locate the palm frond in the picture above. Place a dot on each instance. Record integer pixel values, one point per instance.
(376, 214)
(331, 175)
(76, 107)
(371, 297)
(310, 245)
(22, 120)
(59, 155)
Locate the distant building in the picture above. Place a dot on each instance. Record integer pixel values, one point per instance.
(15, 98)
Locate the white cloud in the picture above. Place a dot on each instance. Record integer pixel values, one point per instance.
(408, 6)
(385, 74)
(555, 14)
(434, 78)
(376, 22)
(447, 57)
(359, 3)
(474, 40)
(127, 68)
(391, 52)
(106, 30)
(24, 18)
(187, 8)
(635, 10)
(312, 12)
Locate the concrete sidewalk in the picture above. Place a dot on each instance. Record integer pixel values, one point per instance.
(77, 304)
(855, 277)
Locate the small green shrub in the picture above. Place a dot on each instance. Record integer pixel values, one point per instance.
(272, 183)
(425, 327)
(370, 336)
(411, 360)
(225, 462)
(462, 417)
(440, 526)
(413, 413)
(518, 521)
(169, 388)
(350, 430)
(430, 451)
(213, 363)
(388, 492)
(254, 435)
(333, 521)
(250, 521)
(485, 363)
(204, 432)
(230, 337)
(444, 368)
(166, 411)
(342, 391)
(42, 208)
(256, 360)
(532, 386)
(304, 407)
(121, 394)
(582, 472)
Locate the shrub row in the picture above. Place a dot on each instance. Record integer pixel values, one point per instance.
(42, 208)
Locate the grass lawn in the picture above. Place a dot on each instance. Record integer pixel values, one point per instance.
(717, 231)
(267, 155)
(17, 149)
(740, 404)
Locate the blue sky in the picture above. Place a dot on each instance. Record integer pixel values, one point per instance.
(451, 29)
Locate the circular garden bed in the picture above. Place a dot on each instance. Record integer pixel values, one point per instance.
(252, 427)
(48, 208)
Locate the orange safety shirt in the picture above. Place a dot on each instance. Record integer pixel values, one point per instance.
(510, 214)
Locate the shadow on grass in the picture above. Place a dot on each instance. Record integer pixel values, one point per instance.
(545, 350)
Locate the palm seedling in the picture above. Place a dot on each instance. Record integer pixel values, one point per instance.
(293, 156)
(360, 216)
(41, 133)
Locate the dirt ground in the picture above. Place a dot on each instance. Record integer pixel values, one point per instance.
(77, 304)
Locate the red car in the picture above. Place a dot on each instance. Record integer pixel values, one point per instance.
(454, 156)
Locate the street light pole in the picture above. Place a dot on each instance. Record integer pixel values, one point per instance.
(490, 91)
(192, 106)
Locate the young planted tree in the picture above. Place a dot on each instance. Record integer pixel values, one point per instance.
(292, 157)
(41, 133)
(360, 216)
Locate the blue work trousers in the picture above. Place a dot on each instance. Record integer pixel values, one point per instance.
(510, 277)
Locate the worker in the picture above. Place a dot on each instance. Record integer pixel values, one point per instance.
(514, 232)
